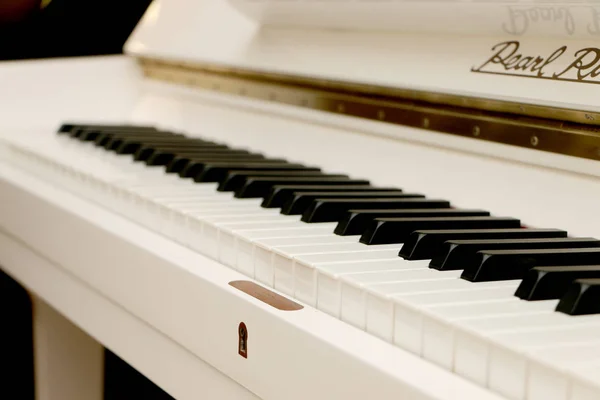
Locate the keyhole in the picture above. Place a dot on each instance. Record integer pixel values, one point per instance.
(243, 340)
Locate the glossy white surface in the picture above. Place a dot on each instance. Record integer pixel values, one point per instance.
(69, 364)
(433, 171)
(468, 178)
(519, 18)
(178, 371)
(191, 284)
(37, 94)
(439, 62)
(392, 304)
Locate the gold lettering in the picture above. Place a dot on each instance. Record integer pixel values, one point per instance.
(504, 51)
(506, 57)
(524, 64)
(557, 53)
(535, 67)
(580, 63)
(512, 62)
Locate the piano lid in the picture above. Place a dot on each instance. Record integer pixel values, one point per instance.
(420, 61)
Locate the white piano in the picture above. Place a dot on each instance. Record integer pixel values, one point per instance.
(459, 126)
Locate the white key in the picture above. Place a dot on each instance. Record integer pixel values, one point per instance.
(477, 336)
(227, 230)
(269, 244)
(508, 358)
(483, 324)
(185, 223)
(329, 286)
(228, 233)
(245, 242)
(194, 220)
(262, 254)
(439, 325)
(390, 301)
(426, 338)
(282, 259)
(160, 215)
(305, 277)
(354, 289)
(545, 381)
(250, 218)
(281, 264)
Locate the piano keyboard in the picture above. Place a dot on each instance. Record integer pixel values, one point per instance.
(509, 307)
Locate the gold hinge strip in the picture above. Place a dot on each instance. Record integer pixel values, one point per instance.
(562, 131)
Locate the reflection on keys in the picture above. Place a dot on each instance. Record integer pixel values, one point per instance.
(401, 266)
(452, 239)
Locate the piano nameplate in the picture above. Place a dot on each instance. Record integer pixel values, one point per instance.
(298, 40)
(557, 130)
(266, 296)
(583, 66)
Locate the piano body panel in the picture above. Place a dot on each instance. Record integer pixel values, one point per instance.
(524, 18)
(307, 136)
(436, 61)
(68, 363)
(37, 94)
(177, 370)
(185, 297)
(459, 169)
(134, 283)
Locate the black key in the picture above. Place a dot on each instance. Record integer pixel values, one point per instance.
(457, 253)
(164, 157)
(106, 136)
(425, 244)
(582, 298)
(356, 221)
(332, 210)
(66, 128)
(180, 161)
(300, 201)
(236, 179)
(195, 166)
(163, 142)
(117, 141)
(87, 135)
(112, 140)
(172, 140)
(69, 128)
(217, 171)
(147, 150)
(104, 139)
(260, 187)
(280, 194)
(100, 139)
(499, 265)
(133, 133)
(132, 145)
(397, 230)
(546, 283)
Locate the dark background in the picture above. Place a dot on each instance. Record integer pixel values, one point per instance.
(121, 381)
(66, 27)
